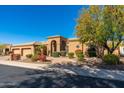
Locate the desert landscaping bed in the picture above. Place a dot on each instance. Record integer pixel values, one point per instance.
(91, 62)
(101, 65)
(94, 63)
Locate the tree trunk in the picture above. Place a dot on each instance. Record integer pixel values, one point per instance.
(99, 51)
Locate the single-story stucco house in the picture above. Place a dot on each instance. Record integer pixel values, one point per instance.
(55, 43)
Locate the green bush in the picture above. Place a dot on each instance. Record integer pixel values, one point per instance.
(91, 53)
(34, 58)
(71, 55)
(79, 55)
(111, 59)
(56, 54)
(29, 55)
(63, 53)
(78, 51)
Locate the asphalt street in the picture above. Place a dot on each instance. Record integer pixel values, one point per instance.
(15, 77)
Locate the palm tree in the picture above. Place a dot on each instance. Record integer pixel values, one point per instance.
(40, 48)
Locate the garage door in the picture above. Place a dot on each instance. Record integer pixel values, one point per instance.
(26, 51)
(16, 51)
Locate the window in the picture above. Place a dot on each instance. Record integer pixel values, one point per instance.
(77, 46)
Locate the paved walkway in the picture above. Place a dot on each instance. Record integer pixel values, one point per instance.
(83, 71)
(24, 65)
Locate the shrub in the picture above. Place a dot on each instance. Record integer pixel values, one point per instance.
(63, 53)
(42, 57)
(79, 54)
(91, 53)
(56, 54)
(34, 58)
(78, 51)
(71, 55)
(29, 55)
(15, 57)
(111, 59)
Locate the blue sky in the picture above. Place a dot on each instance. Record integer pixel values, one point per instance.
(19, 24)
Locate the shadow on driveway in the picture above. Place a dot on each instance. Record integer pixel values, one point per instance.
(52, 79)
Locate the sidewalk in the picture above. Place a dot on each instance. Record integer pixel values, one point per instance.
(83, 71)
(23, 65)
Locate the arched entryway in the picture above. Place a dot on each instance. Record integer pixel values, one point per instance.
(53, 46)
(63, 45)
(92, 51)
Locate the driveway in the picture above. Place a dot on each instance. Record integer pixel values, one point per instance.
(11, 76)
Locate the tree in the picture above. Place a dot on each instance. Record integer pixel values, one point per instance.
(2, 46)
(102, 26)
(39, 49)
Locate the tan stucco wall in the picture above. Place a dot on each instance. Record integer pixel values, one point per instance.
(116, 52)
(72, 46)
